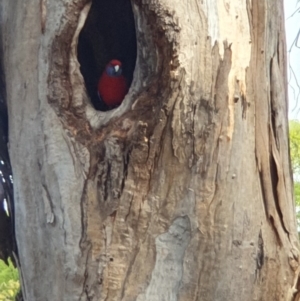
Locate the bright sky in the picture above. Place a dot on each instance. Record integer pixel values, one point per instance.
(292, 27)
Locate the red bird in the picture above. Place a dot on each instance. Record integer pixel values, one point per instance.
(112, 85)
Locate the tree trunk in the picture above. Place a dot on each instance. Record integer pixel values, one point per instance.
(184, 192)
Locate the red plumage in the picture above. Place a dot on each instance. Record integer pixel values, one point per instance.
(112, 85)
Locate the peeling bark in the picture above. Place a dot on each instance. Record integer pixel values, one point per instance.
(184, 192)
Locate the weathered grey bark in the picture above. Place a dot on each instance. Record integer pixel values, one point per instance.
(182, 193)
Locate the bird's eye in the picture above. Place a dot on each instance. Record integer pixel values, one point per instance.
(114, 70)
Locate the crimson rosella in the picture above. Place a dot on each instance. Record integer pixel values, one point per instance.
(112, 86)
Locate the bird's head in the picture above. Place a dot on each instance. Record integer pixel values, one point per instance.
(114, 68)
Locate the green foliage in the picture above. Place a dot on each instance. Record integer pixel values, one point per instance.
(9, 290)
(295, 157)
(297, 192)
(9, 282)
(8, 272)
(295, 147)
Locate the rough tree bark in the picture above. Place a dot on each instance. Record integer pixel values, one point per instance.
(184, 192)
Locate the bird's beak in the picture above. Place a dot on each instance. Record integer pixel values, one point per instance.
(117, 67)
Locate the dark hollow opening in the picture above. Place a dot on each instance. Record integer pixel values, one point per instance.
(108, 33)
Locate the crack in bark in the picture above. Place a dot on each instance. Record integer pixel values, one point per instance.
(274, 176)
(83, 216)
(84, 286)
(48, 204)
(245, 106)
(129, 209)
(259, 256)
(266, 201)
